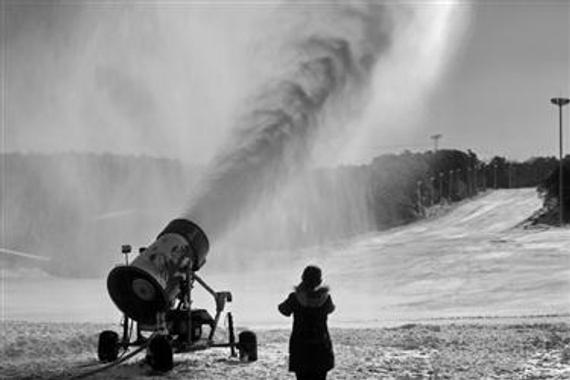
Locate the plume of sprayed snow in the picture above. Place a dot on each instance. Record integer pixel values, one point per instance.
(333, 56)
(275, 136)
(165, 79)
(428, 38)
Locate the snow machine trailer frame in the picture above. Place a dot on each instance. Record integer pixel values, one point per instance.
(179, 329)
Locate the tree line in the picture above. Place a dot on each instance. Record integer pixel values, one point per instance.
(79, 208)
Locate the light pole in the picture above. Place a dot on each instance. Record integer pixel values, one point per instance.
(560, 102)
(450, 185)
(432, 194)
(475, 180)
(469, 184)
(440, 187)
(458, 180)
(435, 139)
(420, 205)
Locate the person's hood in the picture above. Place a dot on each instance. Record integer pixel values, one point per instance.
(312, 297)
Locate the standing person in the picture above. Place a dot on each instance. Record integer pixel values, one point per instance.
(310, 348)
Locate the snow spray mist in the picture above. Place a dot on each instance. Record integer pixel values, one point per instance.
(274, 137)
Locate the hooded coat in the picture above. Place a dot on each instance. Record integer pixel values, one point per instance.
(310, 346)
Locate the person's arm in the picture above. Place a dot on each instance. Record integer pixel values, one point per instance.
(286, 307)
(329, 305)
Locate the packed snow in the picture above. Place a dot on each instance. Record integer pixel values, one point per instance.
(474, 260)
(474, 293)
(413, 351)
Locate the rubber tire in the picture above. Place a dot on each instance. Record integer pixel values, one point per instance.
(160, 354)
(247, 346)
(196, 333)
(108, 347)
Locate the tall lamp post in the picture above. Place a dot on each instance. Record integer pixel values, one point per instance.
(420, 205)
(440, 187)
(469, 181)
(435, 139)
(560, 102)
(450, 186)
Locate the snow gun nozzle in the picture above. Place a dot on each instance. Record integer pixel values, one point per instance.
(152, 281)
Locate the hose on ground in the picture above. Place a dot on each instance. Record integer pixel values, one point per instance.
(111, 365)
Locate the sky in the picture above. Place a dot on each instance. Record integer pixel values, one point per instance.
(169, 80)
(494, 99)
(518, 57)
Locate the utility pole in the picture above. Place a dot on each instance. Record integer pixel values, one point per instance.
(560, 102)
(435, 139)
(475, 180)
(440, 187)
(469, 180)
(432, 185)
(450, 192)
(420, 206)
(457, 178)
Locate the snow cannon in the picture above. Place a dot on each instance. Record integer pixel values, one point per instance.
(152, 281)
(154, 292)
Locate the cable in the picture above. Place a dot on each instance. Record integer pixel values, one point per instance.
(113, 364)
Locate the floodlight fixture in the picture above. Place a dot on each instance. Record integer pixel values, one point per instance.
(560, 102)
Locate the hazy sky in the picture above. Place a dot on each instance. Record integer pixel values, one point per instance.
(169, 79)
(517, 58)
(495, 97)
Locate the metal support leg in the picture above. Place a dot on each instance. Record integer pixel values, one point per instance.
(161, 323)
(232, 335)
(189, 301)
(126, 337)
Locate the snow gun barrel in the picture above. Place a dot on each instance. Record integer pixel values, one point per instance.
(152, 281)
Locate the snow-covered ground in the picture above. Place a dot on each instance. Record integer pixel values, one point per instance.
(481, 297)
(450, 351)
(472, 261)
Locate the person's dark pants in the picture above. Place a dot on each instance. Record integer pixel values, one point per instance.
(311, 375)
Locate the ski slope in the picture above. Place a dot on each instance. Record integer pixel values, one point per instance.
(473, 261)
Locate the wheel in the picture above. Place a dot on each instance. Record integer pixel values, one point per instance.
(108, 347)
(247, 346)
(196, 332)
(160, 354)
